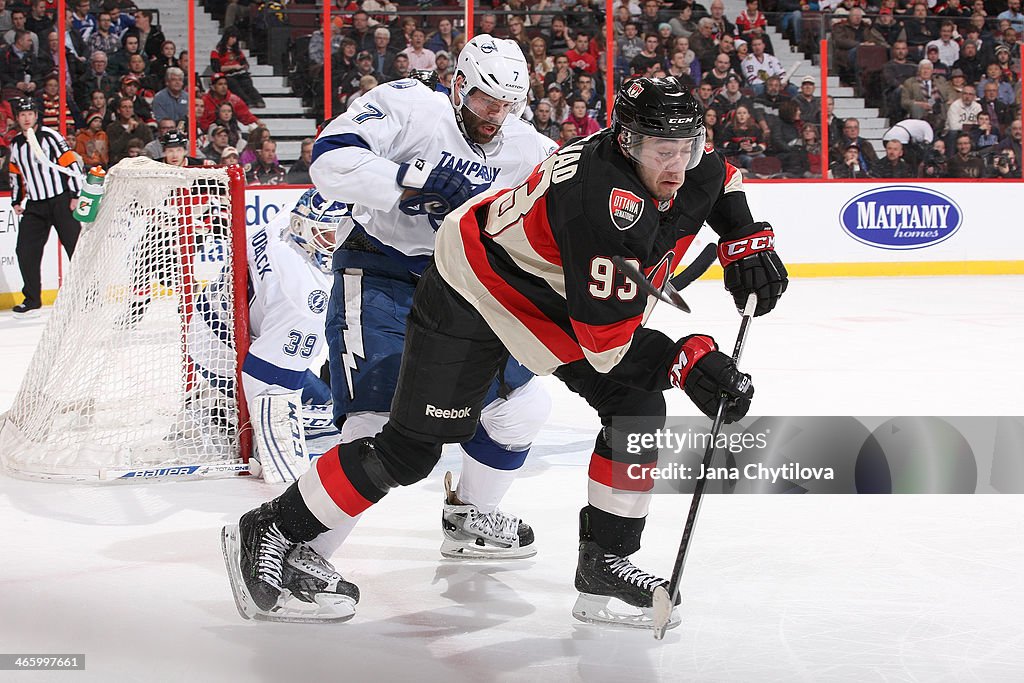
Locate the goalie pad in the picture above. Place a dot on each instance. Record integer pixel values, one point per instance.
(279, 441)
(319, 429)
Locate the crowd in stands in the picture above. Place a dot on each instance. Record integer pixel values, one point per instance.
(765, 123)
(126, 87)
(945, 72)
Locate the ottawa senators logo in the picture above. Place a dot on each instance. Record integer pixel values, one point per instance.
(625, 208)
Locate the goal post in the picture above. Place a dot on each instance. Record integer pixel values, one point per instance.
(138, 370)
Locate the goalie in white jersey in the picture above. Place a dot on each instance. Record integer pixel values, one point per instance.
(289, 284)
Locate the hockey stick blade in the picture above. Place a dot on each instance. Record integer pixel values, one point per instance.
(664, 597)
(661, 602)
(668, 293)
(698, 267)
(209, 470)
(40, 155)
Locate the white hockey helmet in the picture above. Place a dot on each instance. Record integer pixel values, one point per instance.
(314, 226)
(497, 68)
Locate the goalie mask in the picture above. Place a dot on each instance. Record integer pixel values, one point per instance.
(659, 124)
(491, 81)
(314, 226)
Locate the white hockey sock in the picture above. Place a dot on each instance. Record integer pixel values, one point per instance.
(339, 511)
(328, 542)
(362, 425)
(482, 485)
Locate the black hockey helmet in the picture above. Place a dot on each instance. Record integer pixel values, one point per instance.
(658, 108)
(20, 104)
(173, 138)
(427, 77)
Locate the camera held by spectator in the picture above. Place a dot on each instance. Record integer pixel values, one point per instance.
(1003, 164)
(934, 164)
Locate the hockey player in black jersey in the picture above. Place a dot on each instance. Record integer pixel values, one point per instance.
(528, 271)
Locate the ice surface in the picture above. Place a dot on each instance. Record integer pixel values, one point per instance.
(900, 588)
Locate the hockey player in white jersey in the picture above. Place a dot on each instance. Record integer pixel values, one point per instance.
(289, 265)
(402, 157)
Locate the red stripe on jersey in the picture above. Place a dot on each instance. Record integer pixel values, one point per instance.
(623, 476)
(733, 182)
(601, 338)
(560, 344)
(538, 233)
(338, 486)
(681, 246)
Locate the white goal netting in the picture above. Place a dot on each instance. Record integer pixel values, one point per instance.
(112, 390)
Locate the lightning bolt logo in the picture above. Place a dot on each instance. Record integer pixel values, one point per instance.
(353, 333)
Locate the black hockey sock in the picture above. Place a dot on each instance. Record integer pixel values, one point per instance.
(615, 534)
(295, 519)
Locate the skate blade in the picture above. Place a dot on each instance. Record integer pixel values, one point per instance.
(326, 610)
(457, 550)
(230, 546)
(605, 611)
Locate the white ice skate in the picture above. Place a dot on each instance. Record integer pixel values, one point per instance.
(471, 534)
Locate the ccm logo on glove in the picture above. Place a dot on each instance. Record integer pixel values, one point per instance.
(752, 266)
(737, 249)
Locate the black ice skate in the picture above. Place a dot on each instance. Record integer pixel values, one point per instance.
(254, 552)
(313, 590)
(471, 534)
(614, 591)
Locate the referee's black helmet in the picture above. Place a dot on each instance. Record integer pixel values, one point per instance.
(20, 104)
(173, 138)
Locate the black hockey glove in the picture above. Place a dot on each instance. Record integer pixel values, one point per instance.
(439, 189)
(751, 265)
(705, 373)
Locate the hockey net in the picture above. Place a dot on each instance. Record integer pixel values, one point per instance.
(113, 391)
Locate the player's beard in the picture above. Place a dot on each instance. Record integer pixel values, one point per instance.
(478, 130)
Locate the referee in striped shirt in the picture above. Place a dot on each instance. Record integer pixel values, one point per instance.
(50, 197)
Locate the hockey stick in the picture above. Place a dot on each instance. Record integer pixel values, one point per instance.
(217, 469)
(41, 157)
(664, 597)
(669, 292)
(698, 267)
